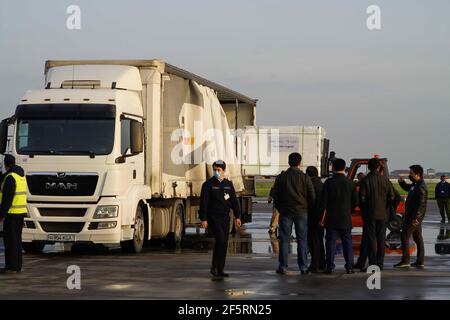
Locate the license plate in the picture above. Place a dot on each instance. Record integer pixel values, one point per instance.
(61, 237)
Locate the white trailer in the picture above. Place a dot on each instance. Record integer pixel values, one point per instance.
(264, 150)
(116, 151)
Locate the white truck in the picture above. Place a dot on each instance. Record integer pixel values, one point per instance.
(116, 151)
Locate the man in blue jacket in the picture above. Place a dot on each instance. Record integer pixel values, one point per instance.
(442, 192)
(217, 198)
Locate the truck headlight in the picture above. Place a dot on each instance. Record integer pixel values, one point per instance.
(104, 212)
(107, 225)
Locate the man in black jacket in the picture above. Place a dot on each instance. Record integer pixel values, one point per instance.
(293, 194)
(415, 208)
(216, 199)
(375, 197)
(13, 210)
(339, 198)
(442, 192)
(315, 231)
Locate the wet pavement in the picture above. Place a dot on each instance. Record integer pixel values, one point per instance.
(164, 273)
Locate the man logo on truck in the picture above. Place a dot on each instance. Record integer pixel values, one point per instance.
(61, 186)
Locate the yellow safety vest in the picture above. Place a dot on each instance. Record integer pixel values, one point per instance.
(19, 203)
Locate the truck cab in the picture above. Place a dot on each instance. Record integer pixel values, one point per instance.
(82, 151)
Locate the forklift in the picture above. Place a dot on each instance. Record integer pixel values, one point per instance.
(395, 220)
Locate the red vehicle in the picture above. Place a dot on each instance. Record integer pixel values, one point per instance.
(395, 221)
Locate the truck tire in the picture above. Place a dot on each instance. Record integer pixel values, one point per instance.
(33, 247)
(395, 223)
(137, 243)
(174, 238)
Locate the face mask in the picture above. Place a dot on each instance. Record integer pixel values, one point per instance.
(217, 174)
(411, 178)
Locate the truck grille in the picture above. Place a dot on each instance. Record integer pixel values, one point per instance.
(61, 184)
(62, 212)
(64, 227)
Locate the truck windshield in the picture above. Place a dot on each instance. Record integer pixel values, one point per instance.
(60, 133)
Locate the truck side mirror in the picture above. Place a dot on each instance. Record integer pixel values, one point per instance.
(136, 137)
(3, 135)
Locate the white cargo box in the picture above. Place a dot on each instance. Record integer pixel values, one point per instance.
(265, 149)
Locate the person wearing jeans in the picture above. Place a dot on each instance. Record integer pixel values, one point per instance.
(285, 230)
(346, 238)
(293, 193)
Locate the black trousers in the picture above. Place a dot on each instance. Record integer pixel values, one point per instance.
(12, 238)
(376, 241)
(363, 248)
(316, 247)
(219, 227)
(444, 208)
(416, 232)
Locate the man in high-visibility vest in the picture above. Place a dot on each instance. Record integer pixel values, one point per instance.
(13, 209)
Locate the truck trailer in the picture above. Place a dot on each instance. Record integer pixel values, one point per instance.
(116, 151)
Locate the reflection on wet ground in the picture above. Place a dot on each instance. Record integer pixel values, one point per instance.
(254, 238)
(162, 273)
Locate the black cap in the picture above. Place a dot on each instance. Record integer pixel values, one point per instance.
(220, 164)
(9, 160)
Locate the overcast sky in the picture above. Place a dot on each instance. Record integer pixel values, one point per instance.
(309, 62)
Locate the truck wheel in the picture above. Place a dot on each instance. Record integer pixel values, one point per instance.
(395, 223)
(174, 238)
(136, 245)
(33, 247)
(393, 241)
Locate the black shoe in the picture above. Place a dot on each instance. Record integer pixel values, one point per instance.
(304, 272)
(223, 274)
(313, 270)
(418, 265)
(328, 271)
(280, 271)
(357, 266)
(213, 272)
(349, 271)
(402, 265)
(7, 271)
(443, 221)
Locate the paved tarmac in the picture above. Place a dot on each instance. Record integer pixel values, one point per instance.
(162, 273)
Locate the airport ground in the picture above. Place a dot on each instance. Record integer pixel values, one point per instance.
(183, 273)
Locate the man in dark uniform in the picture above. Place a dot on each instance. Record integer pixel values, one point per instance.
(339, 198)
(442, 193)
(315, 231)
(375, 196)
(415, 209)
(216, 199)
(13, 208)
